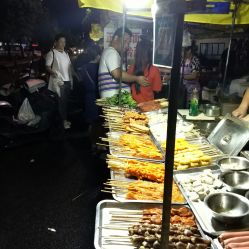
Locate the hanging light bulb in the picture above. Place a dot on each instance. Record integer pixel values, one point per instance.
(154, 9)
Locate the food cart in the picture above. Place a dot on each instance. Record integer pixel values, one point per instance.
(173, 188)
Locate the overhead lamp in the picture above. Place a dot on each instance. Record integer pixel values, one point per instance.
(154, 9)
(136, 4)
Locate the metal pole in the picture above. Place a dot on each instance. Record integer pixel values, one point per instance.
(229, 46)
(170, 143)
(182, 88)
(122, 53)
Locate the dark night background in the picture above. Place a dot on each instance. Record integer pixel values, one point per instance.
(40, 20)
(40, 178)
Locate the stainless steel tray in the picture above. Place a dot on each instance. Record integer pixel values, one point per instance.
(230, 135)
(245, 154)
(202, 213)
(200, 140)
(196, 169)
(217, 244)
(164, 111)
(120, 197)
(103, 219)
(117, 153)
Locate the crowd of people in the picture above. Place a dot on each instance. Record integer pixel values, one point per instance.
(99, 71)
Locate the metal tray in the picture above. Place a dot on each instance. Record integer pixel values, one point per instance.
(196, 169)
(245, 154)
(159, 111)
(120, 197)
(203, 214)
(116, 153)
(230, 135)
(217, 244)
(164, 111)
(103, 218)
(212, 165)
(200, 140)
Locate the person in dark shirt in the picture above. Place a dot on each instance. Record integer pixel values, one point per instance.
(231, 63)
(87, 65)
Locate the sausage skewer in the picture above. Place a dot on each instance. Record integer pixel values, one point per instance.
(229, 235)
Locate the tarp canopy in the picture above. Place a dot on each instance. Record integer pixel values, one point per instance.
(224, 19)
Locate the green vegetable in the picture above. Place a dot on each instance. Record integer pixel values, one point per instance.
(126, 100)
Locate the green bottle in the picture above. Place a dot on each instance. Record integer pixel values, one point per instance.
(194, 103)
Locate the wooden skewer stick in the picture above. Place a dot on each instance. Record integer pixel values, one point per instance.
(106, 145)
(115, 189)
(117, 244)
(127, 211)
(116, 237)
(131, 247)
(111, 227)
(116, 241)
(112, 184)
(109, 192)
(126, 219)
(128, 216)
(117, 184)
(113, 181)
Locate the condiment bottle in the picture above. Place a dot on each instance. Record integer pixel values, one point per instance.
(194, 103)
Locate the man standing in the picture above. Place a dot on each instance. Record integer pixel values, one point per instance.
(109, 68)
(59, 66)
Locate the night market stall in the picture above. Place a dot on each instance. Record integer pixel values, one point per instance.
(173, 188)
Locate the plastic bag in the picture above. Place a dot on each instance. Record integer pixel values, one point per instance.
(187, 41)
(26, 113)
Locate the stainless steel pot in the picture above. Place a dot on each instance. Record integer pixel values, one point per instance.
(234, 163)
(211, 110)
(247, 195)
(236, 181)
(227, 208)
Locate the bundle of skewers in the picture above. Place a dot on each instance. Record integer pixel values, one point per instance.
(141, 190)
(189, 154)
(149, 185)
(125, 120)
(144, 229)
(141, 170)
(134, 146)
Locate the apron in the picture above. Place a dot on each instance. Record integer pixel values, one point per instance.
(189, 85)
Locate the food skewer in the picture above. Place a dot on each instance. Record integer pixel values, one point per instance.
(127, 211)
(116, 243)
(108, 191)
(141, 190)
(143, 230)
(124, 227)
